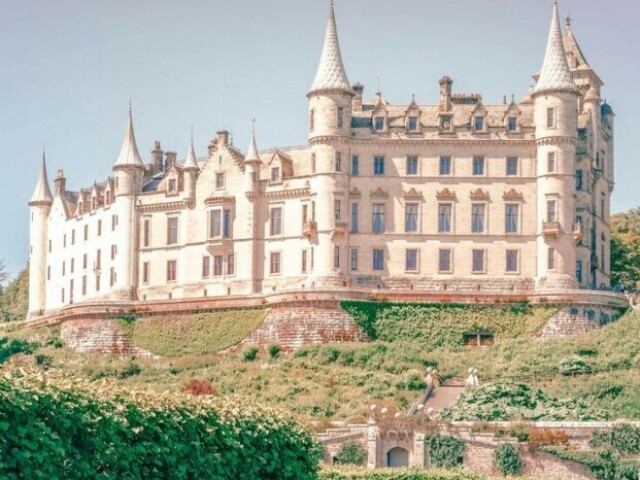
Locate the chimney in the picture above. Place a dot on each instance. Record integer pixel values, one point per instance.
(170, 159)
(445, 94)
(223, 138)
(156, 157)
(60, 184)
(357, 100)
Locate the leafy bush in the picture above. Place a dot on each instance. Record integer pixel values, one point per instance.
(131, 370)
(444, 451)
(44, 361)
(351, 453)
(605, 465)
(573, 366)
(508, 459)
(274, 350)
(362, 473)
(67, 428)
(250, 353)
(10, 348)
(624, 438)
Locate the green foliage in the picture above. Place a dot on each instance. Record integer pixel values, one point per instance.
(625, 248)
(67, 432)
(363, 473)
(274, 351)
(440, 325)
(605, 465)
(573, 366)
(11, 347)
(508, 459)
(507, 401)
(195, 334)
(14, 300)
(250, 353)
(444, 451)
(351, 453)
(623, 438)
(131, 370)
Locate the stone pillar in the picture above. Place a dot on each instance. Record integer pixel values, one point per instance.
(417, 458)
(372, 444)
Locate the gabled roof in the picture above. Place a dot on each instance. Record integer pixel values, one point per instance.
(331, 74)
(555, 74)
(42, 192)
(129, 156)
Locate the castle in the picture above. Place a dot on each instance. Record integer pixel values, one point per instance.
(457, 196)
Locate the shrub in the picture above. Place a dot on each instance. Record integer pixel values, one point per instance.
(200, 387)
(44, 361)
(573, 366)
(541, 437)
(10, 348)
(131, 370)
(274, 351)
(508, 459)
(444, 451)
(351, 454)
(624, 438)
(250, 354)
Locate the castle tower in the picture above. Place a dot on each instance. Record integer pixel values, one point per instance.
(39, 208)
(129, 172)
(249, 248)
(330, 106)
(555, 98)
(190, 170)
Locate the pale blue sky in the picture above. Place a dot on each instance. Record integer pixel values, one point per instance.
(69, 67)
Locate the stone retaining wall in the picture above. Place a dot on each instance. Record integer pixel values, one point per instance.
(576, 319)
(98, 336)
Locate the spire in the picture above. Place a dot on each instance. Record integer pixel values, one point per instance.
(555, 74)
(42, 193)
(252, 154)
(191, 155)
(575, 56)
(331, 74)
(129, 156)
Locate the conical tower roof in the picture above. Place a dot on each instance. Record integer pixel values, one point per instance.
(129, 156)
(42, 193)
(191, 162)
(331, 74)
(574, 52)
(252, 154)
(555, 74)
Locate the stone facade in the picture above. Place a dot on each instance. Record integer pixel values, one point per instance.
(463, 195)
(575, 319)
(99, 336)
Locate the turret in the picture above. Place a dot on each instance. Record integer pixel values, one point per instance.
(252, 164)
(39, 207)
(190, 170)
(555, 99)
(128, 167)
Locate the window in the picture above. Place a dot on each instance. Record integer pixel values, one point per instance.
(445, 165)
(512, 166)
(602, 260)
(603, 204)
(114, 222)
(478, 261)
(378, 124)
(378, 259)
(276, 221)
(172, 185)
(63, 295)
(172, 230)
(444, 217)
(226, 223)
(275, 174)
(412, 124)
(445, 123)
(305, 213)
(444, 260)
(97, 282)
(219, 180)
(411, 217)
(579, 271)
(336, 210)
(313, 163)
(231, 264)
(49, 273)
(312, 257)
(112, 277)
(478, 124)
(64, 241)
(340, 118)
(355, 165)
(99, 227)
(512, 261)
(477, 217)
(63, 268)
(311, 119)
(114, 251)
(551, 259)
(338, 162)
(378, 218)
(551, 162)
(86, 235)
(354, 218)
(511, 218)
(274, 263)
(145, 272)
(84, 285)
(512, 124)
(411, 259)
(412, 165)
(378, 165)
(84, 261)
(551, 117)
(578, 179)
(206, 266)
(217, 265)
(73, 237)
(354, 259)
(171, 270)
(336, 257)
(72, 266)
(215, 224)
(98, 264)
(304, 261)
(551, 211)
(146, 232)
(478, 165)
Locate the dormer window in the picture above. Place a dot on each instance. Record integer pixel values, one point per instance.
(412, 124)
(512, 124)
(172, 186)
(219, 180)
(445, 123)
(378, 124)
(478, 124)
(275, 174)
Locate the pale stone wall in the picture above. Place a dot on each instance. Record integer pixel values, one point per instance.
(99, 336)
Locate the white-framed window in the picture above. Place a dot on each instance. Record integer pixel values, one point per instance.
(172, 270)
(275, 221)
(552, 215)
(551, 259)
(378, 259)
(444, 217)
(412, 123)
(231, 264)
(551, 117)
(217, 265)
(411, 260)
(206, 266)
(511, 211)
(354, 259)
(378, 165)
(354, 218)
(378, 124)
(336, 256)
(338, 162)
(275, 174)
(512, 124)
(172, 230)
(355, 165)
(512, 166)
(378, 218)
(445, 166)
(478, 261)
(445, 260)
(219, 180)
(478, 165)
(412, 165)
(274, 263)
(478, 123)
(551, 162)
(512, 261)
(478, 217)
(411, 217)
(340, 117)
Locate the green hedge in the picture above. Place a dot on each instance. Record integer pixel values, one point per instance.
(52, 427)
(362, 473)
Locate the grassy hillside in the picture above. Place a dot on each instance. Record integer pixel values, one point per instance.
(14, 300)
(341, 381)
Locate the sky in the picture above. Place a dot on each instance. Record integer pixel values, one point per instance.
(68, 69)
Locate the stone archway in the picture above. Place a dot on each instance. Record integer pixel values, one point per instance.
(397, 457)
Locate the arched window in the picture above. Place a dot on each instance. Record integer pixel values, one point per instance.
(398, 457)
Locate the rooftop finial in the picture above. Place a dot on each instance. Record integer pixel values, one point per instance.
(252, 154)
(42, 193)
(129, 155)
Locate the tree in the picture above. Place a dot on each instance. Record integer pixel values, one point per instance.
(625, 248)
(3, 271)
